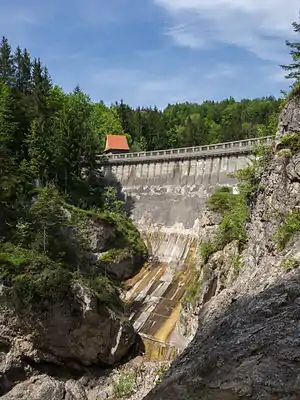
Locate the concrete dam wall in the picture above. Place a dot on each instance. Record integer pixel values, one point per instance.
(169, 196)
(168, 191)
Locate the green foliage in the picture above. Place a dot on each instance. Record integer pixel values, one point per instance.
(232, 226)
(221, 200)
(295, 91)
(249, 177)
(289, 264)
(111, 201)
(34, 279)
(284, 153)
(37, 291)
(48, 216)
(159, 374)
(236, 263)
(123, 386)
(194, 289)
(114, 255)
(289, 227)
(235, 212)
(293, 69)
(292, 141)
(105, 290)
(105, 121)
(191, 124)
(209, 247)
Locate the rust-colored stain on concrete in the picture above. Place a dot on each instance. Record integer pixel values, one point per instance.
(153, 303)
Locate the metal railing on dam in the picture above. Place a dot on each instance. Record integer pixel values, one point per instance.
(227, 148)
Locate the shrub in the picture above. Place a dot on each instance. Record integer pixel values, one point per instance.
(159, 373)
(235, 213)
(36, 281)
(232, 226)
(112, 255)
(250, 176)
(292, 142)
(290, 263)
(105, 290)
(209, 247)
(221, 200)
(37, 291)
(295, 92)
(287, 229)
(123, 386)
(235, 263)
(284, 153)
(194, 289)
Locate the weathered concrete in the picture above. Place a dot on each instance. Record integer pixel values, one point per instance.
(169, 197)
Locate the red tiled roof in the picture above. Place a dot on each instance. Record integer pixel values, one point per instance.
(116, 142)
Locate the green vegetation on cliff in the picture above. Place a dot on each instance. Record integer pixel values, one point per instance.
(234, 211)
(234, 207)
(288, 228)
(52, 197)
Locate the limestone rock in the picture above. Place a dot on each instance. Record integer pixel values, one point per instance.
(124, 267)
(247, 342)
(40, 387)
(79, 331)
(289, 122)
(99, 235)
(75, 391)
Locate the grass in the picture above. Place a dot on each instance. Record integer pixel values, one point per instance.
(159, 373)
(114, 255)
(289, 264)
(123, 386)
(193, 290)
(236, 263)
(209, 247)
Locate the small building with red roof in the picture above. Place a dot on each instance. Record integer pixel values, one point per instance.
(116, 144)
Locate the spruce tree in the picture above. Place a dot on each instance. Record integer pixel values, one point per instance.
(18, 60)
(293, 69)
(26, 71)
(6, 63)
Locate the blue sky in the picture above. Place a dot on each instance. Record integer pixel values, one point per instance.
(155, 52)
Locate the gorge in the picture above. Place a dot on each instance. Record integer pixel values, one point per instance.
(167, 191)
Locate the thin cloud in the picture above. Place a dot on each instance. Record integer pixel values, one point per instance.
(260, 27)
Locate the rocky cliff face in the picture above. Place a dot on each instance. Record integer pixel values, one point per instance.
(80, 330)
(247, 341)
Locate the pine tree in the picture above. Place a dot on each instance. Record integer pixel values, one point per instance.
(8, 173)
(18, 60)
(26, 72)
(293, 69)
(6, 63)
(46, 81)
